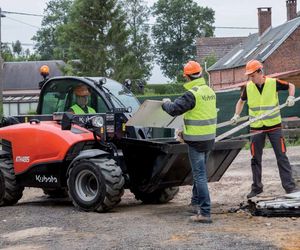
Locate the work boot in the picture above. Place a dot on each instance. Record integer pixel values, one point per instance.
(253, 193)
(200, 218)
(295, 190)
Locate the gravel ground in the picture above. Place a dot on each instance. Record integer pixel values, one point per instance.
(38, 222)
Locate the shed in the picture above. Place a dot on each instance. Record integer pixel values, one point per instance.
(21, 84)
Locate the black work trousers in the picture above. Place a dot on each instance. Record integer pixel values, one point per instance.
(257, 144)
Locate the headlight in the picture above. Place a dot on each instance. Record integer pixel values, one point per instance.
(97, 121)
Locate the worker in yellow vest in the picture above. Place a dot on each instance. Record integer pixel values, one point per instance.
(198, 104)
(82, 94)
(261, 93)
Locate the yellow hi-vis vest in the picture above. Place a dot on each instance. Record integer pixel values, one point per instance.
(79, 111)
(200, 123)
(260, 103)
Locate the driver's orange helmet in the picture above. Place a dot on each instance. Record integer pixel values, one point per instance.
(82, 90)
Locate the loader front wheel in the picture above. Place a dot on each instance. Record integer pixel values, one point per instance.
(95, 184)
(157, 197)
(10, 191)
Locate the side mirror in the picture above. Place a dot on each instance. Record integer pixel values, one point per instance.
(101, 81)
(127, 84)
(66, 122)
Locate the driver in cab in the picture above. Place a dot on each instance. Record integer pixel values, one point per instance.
(82, 94)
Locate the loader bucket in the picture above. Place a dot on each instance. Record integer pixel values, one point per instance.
(160, 163)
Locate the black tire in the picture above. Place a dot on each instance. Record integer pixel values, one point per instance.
(157, 197)
(2, 186)
(95, 184)
(10, 191)
(56, 192)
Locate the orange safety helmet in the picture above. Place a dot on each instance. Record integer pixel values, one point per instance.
(253, 66)
(81, 90)
(191, 68)
(44, 70)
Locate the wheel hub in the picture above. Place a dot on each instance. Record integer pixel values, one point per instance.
(86, 185)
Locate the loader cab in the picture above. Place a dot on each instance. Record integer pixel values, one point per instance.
(57, 95)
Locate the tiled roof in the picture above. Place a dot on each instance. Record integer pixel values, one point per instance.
(257, 47)
(218, 46)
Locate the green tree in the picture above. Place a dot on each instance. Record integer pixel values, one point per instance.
(98, 38)
(207, 62)
(17, 54)
(139, 39)
(47, 44)
(17, 48)
(6, 53)
(178, 24)
(27, 53)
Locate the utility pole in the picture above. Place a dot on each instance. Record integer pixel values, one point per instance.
(1, 70)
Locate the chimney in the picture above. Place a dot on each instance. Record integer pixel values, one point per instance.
(264, 19)
(291, 9)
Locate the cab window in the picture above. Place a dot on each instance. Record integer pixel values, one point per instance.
(59, 97)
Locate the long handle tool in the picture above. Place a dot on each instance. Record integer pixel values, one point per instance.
(251, 120)
(224, 124)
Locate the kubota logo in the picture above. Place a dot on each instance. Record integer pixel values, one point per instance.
(22, 159)
(43, 178)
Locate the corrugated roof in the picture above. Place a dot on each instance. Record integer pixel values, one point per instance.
(18, 99)
(257, 47)
(25, 75)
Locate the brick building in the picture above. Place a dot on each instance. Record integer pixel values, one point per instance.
(278, 48)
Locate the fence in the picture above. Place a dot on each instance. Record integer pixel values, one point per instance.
(226, 102)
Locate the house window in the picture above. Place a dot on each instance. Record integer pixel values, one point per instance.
(234, 56)
(250, 52)
(13, 109)
(265, 48)
(24, 108)
(5, 109)
(19, 108)
(33, 107)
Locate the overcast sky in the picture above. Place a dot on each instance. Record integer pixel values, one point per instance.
(228, 13)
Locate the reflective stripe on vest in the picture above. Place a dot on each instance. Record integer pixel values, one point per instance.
(200, 122)
(259, 103)
(79, 111)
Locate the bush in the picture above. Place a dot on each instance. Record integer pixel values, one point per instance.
(142, 98)
(163, 89)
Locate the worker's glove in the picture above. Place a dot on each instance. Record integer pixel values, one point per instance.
(290, 101)
(234, 119)
(179, 135)
(166, 100)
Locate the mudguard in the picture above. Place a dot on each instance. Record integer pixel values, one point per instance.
(89, 153)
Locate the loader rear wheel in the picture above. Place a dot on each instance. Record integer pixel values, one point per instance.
(10, 191)
(157, 197)
(95, 184)
(56, 192)
(2, 186)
